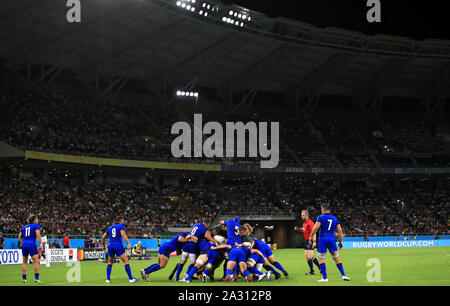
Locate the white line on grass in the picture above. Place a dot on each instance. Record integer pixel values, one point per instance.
(445, 252)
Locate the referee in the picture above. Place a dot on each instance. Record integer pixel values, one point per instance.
(306, 228)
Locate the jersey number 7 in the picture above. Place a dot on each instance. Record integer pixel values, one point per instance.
(329, 226)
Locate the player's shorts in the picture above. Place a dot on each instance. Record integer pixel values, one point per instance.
(267, 252)
(115, 250)
(166, 248)
(308, 246)
(212, 256)
(327, 243)
(237, 255)
(257, 258)
(29, 249)
(190, 247)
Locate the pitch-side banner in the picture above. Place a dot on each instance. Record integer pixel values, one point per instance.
(395, 244)
(62, 255)
(11, 257)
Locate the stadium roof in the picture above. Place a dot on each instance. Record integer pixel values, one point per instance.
(166, 46)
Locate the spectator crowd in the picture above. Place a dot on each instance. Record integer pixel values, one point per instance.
(87, 208)
(140, 129)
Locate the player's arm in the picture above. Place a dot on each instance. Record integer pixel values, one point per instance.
(182, 239)
(221, 247)
(253, 251)
(314, 231)
(104, 241)
(124, 236)
(38, 236)
(20, 238)
(209, 237)
(192, 238)
(341, 235)
(252, 243)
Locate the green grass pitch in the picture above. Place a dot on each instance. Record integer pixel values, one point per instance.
(399, 267)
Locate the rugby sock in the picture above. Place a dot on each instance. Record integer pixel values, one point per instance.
(269, 268)
(225, 268)
(108, 272)
(36, 276)
(189, 268)
(128, 270)
(246, 273)
(179, 269)
(153, 268)
(253, 270)
(310, 264)
(323, 269)
(316, 262)
(24, 276)
(278, 266)
(194, 270)
(228, 272)
(207, 273)
(341, 269)
(175, 269)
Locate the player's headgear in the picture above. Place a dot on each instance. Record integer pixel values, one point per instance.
(237, 220)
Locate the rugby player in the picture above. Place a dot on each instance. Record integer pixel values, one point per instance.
(27, 239)
(197, 239)
(116, 233)
(203, 241)
(175, 244)
(238, 255)
(267, 253)
(233, 238)
(215, 257)
(327, 223)
(254, 258)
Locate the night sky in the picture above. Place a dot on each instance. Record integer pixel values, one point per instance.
(410, 18)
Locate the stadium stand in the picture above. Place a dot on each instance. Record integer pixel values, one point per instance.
(46, 121)
(85, 208)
